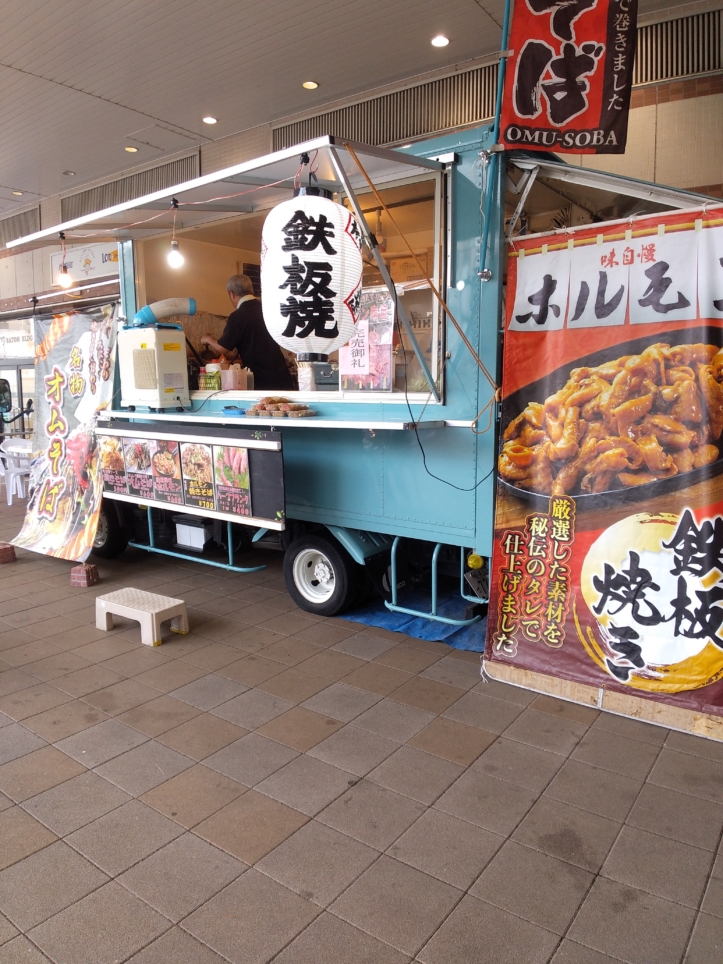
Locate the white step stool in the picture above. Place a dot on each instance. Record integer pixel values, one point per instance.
(148, 608)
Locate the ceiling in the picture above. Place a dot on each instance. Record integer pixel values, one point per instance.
(81, 81)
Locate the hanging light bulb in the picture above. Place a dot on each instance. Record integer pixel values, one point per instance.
(175, 258)
(64, 279)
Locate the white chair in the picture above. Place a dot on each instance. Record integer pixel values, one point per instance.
(16, 469)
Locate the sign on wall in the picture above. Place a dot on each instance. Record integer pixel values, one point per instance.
(74, 363)
(87, 263)
(608, 552)
(569, 76)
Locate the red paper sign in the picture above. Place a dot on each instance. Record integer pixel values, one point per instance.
(568, 79)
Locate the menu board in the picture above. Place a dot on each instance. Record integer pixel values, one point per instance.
(215, 477)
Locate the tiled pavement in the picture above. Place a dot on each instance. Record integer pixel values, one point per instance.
(274, 787)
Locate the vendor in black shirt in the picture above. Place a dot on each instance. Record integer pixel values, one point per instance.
(246, 334)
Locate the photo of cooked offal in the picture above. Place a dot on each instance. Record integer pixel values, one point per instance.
(625, 423)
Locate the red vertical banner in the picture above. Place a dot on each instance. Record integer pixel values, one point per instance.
(569, 75)
(608, 551)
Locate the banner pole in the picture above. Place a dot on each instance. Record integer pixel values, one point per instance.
(484, 272)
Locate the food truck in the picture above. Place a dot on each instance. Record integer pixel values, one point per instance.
(524, 382)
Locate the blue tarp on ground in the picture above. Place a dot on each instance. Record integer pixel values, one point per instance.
(375, 613)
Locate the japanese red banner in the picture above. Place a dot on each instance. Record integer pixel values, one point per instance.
(568, 76)
(608, 554)
(74, 365)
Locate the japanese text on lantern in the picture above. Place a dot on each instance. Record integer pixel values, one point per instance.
(57, 430)
(535, 579)
(310, 305)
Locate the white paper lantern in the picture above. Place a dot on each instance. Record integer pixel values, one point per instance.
(311, 274)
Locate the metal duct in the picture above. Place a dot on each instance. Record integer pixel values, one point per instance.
(18, 225)
(128, 188)
(678, 48)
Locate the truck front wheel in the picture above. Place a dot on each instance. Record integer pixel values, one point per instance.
(321, 577)
(110, 538)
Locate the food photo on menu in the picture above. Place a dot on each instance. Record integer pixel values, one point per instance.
(165, 461)
(231, 471)
(138, 467)
(197, 464)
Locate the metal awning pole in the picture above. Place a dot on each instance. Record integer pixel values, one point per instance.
(384, 271)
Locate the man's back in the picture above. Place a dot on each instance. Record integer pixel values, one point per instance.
(246, 331)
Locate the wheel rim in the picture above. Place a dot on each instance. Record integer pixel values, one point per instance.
(314, 576)
(101, 533)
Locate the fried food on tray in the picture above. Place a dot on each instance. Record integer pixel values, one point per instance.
(627, 422)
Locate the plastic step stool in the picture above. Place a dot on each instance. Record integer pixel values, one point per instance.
(149, 609)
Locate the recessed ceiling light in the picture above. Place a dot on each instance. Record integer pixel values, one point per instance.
(69, 173)
(440, 40)
(18, 193)
(310, 84)
(132, 150)
(209, 120)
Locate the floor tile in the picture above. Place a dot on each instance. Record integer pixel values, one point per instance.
(486, 802)
(251, 920)
(76, 802)
(697, 745)
(565, 709)
(427, 694)
(453, 741)
(306, 784)
(590, 788)
(252, 639)
(37, 771)
(569, 952)
(13, 680)
(88, 680)
(394, 721)
(290, 622)
(547, 732)
(519, 763)
(252, 670)
(124, 836)
(371, 814)
(454, 672)
(64, 720)
(21, 835)
(251, 759)
(21, 951)
(101, 742)
(407, 658)
(74, 936)
(17, 741)
(328, 632)
(487, 713)
(7, 930)
(193, 795)
(31, 701)
(291, 650)
(317, 862)
(706, 944)
(170, 676)
(713, 900)
(342, 702)
(363, 646)
(202, 736)
(632, 925)
(299, 728)
(252, 709)
(353, 750)
(144, 767)
(534, 886)
(196, 869)
(251, 826)
(577, 836)
(294, 685)
(397, 904)
(58, 665)
(691, 820)
(377, 678)
(331, 665)
(29, 653)
(447, 848)
(212, 657)
(416, 774)
(105, 649)
(159, 715)
(329, 940)
(477, 931)
(176, 947)
(632, 758)
(689, 774)
(208, 691)
(45, 883)
(644, 860)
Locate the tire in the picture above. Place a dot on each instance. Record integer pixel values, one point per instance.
(321, 576)
(110, 538)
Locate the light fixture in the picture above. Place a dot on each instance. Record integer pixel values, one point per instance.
(440, 40)
(18, 193)
(69, 173)
(209, 120)
(310, 85)
(64, 279)
(175, 258)
(132, 150)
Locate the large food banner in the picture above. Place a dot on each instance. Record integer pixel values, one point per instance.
(74, 364)
(608, 553)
